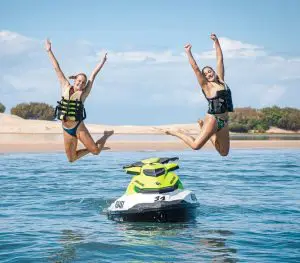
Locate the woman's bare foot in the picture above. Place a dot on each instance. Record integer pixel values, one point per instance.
(172, 132)
(105, 148)
(160, 130)
(105, 136)
(183, 130)
(169, 132)
(200, 122)
(108, 133)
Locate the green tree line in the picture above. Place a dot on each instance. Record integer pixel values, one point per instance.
(260, 120)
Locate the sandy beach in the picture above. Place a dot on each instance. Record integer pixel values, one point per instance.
(20, 135)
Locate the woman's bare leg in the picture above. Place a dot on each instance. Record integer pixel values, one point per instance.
(84, 136)
(213, 137)
(209, 128)
(220, 139)
(71, 147)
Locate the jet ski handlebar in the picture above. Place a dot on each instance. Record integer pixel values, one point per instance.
(137, 164)
(162, 160)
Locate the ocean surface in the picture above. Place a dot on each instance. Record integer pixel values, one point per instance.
(53, 211)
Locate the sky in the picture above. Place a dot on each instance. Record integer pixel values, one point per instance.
(147, 79)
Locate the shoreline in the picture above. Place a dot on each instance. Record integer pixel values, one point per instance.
(129, 146)
(20, 135)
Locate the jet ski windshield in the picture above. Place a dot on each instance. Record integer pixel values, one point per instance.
(154, 172)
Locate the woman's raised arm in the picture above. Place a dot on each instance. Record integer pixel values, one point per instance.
(61, 77)
(92, 77)
(220, 63)
(201, 79)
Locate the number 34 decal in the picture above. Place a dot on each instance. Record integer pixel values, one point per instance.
(159, 198)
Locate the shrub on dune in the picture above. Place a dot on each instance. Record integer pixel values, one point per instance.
(2, 108)
(34, 111)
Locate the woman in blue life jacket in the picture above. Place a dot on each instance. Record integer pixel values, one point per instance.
(71, 112)
(215, 124)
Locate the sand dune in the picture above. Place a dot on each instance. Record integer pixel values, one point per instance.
(15, 124)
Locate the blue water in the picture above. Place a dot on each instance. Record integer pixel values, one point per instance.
(53, 211)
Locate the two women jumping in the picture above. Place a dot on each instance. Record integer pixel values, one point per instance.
(71, 112)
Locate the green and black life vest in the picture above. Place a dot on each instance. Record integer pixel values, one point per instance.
(70, 108)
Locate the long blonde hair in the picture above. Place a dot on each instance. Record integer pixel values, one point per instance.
(75, 76)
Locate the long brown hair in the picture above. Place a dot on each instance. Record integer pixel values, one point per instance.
(202, 71)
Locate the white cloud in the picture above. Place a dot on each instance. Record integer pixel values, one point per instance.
(31, 80)
(230, 44)
(295, 60)
(271, 95)
(143, 56)
(178, 97)
(231, 49)
(290, 78)
(12, 43)
(235, 49)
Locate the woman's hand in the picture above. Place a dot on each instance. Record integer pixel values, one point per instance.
(48, 45)
(188, 48)
(104, 58)
(219, 53)
(213, 37)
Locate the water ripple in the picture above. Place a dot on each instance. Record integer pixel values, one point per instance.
(53, 211)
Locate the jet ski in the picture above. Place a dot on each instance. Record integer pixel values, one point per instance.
(155, 194)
